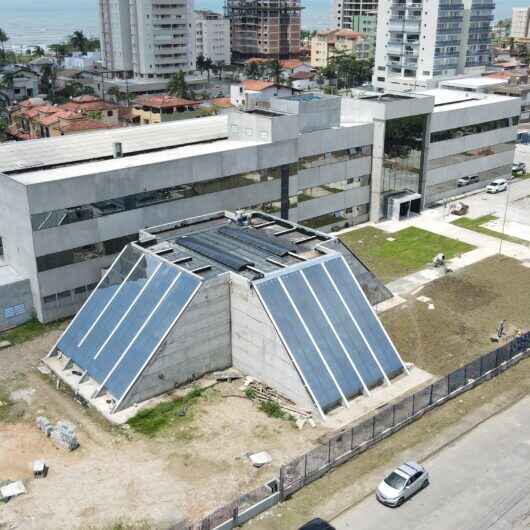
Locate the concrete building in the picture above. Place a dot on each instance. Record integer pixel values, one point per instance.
(520, 23)
(287, 305)
(212, 37)
(327, 44)
(147, 39)
(356, 15)
(421, 43)
(68, 207)
(264, 28)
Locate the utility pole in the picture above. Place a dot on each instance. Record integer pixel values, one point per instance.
(505, 216)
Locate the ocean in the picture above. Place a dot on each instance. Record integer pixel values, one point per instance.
(44, 22)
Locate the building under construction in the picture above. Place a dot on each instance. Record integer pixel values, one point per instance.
(264, 28)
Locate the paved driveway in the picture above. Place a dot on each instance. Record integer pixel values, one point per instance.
(479, 482)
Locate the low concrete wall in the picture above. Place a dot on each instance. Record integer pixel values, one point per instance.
(16, 301)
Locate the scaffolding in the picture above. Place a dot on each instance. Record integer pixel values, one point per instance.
(264, 28)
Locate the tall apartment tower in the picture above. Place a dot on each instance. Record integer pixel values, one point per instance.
(520, 23)
(147, 39)
(264, 28)
(357, 15)
(212, 36)
(420, 42)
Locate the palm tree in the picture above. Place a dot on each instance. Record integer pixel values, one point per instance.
(3, 39)
(208, 65)
(60, 51)
(78, 41)
(178, 86)
(200, 63)
(48, 80)
(6, 84)
(38, 52)
(115, 92)
(276, 70)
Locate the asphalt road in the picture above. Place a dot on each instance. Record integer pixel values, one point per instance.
(480, 482)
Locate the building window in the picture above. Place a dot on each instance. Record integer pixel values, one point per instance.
(478, 128)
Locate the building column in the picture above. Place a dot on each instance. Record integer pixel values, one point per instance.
(378, 170)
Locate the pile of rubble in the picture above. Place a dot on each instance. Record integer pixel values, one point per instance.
(262, 393)
(63, 434)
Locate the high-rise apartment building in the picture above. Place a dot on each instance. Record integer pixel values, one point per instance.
(147, 39)
(421, 42)
(212, 36)
(520, 23)
(357, 15)
(264, 28)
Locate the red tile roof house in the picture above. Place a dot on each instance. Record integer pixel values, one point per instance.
(163, 108)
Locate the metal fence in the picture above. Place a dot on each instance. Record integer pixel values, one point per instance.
(349, 443)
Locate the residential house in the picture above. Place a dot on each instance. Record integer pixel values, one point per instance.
(251, 91)
(20, 82)
(148, 110)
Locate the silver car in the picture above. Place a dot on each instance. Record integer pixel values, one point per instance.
(402, 483)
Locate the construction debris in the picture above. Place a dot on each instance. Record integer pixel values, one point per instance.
(260, 459)
(14, 489)
(63, 434)
(4, 344)
(262, 393)
(40, 469)
(423, 299)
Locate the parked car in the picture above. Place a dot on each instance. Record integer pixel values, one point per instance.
(317, 524)
(497, 186)
(466, 181)
(402, 483)
(519, 167)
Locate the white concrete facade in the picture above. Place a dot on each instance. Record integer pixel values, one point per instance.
(520, 22)
(421, 43)
(315, 161)
(212, 37)
(149, 39)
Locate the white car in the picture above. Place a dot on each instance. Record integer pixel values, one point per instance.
(497, 186)
(402, 483)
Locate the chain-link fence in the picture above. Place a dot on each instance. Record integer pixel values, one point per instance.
(349, 443)
(343, 446)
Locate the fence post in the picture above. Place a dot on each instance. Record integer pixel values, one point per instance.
(351, 445)
(393, 415)
(465, 374)
(497, 358)
(413, 404)
(481, 365)
(430, 397)
(373, 429)
(305, 468)
(329, 453)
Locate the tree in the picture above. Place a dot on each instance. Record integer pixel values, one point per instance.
(200, 63)
(253, 70)
(3, 39)
(78, 41)
(38, 52)
(178, 86)
(115, 92)
(208, 65)
(48, 80)
(60, 50)
(276, 71)
(93, 45)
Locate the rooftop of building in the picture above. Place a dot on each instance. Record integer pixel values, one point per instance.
(256, 85)
(448, 100)
(164, 101)
(252, 244)
(25, 160)
(477, 82)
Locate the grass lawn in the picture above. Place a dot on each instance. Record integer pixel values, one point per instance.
(178, 412)
(28, 331)
(412, 250)
(476, 225)
(468, 306)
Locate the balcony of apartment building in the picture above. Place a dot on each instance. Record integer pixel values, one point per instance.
(407, 24)
(395, 61)
(403, 48)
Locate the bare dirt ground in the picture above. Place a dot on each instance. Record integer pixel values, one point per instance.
(117, 475)
(468, 306)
